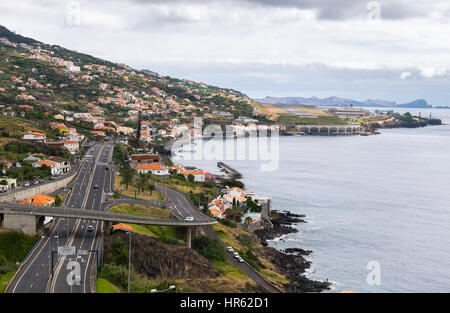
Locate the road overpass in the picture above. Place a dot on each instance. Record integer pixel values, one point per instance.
(32, 211)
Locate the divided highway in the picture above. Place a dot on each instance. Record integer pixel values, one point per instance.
(34, 274)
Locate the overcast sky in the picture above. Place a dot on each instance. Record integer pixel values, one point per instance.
(395, 50)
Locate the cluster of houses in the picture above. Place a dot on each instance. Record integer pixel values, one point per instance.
(150, 163)
(235, 196)
(57, 165)
(144, 99)
(70, 139)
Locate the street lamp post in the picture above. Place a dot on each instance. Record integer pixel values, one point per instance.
(129, 262)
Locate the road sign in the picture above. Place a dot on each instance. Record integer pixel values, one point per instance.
(66, 250)
(83, 252)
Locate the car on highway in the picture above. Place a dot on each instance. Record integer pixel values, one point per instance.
(90, 228)
(241, 260)
(95, 186)
(189, 219)
(236, 255)
(230, 249)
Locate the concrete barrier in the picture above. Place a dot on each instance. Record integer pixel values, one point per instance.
(46, 188)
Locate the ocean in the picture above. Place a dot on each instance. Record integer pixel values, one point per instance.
(377, 207)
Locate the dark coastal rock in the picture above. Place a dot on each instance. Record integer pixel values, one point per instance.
(297, 251)
(281, 226)
(290, 262)
(294, 267)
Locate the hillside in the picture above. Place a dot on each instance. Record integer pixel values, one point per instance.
(51, 80)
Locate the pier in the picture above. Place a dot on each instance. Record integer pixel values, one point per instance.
(231, 172)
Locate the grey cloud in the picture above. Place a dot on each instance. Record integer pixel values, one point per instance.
(327, 9)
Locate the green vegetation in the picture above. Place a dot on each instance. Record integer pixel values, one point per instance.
(228, 222)
(104, 286)
(118, 275)
(142, 210)
(14, 246)
(407, 117)
(119, 153)
(4, 280)
(28, 172)
(210, 248)
(232, 183)
(226, 268)
(141, 190)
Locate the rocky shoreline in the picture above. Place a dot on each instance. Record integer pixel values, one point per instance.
(290, 261)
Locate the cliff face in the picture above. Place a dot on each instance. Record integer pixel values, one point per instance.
(158, 260)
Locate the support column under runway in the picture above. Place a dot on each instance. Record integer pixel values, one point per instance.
(188, 237)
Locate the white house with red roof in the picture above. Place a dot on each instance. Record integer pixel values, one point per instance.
(36, 136)
(154, 168)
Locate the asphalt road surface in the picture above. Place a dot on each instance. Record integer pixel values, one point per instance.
(33, 276)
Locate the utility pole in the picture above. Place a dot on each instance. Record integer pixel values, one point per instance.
(129, 263)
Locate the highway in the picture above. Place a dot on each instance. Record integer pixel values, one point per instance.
(89, 197)
(33, 275)
(88, 193)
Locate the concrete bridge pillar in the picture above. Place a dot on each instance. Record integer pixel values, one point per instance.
(188, 237)
(107, 227)
(196, 230)
(25, 223)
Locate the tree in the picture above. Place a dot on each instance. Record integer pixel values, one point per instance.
(58, 201)
(151, 187)
(127, 174)
(248, 220)
(142, 181)
(191, 178)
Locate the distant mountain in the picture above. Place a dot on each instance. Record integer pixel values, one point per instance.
(342, 102)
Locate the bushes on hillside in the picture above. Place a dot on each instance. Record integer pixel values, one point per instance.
(228, 222)
(210, 248)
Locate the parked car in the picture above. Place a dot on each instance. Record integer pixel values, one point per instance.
(41, 180)
(26, 184)
(52, 178)
(36, 182)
